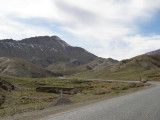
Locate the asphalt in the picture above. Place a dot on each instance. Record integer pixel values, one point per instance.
(142, 105)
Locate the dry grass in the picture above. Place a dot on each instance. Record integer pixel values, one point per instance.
(25, 98)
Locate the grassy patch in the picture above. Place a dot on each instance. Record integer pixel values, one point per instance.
(25, 98)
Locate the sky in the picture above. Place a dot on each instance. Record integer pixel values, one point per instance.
(118, 29)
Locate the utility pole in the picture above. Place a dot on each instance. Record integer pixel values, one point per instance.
(140, 81)
(61, 93)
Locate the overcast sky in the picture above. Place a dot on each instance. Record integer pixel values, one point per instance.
(118, 29)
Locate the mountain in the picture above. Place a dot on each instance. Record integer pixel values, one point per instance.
(68, 68)
(20, 68)
(53, 54)
(155, 52)
(44, 51)
(147, 66)
(101, 63)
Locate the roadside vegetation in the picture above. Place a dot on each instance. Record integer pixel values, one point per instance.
(23, 95)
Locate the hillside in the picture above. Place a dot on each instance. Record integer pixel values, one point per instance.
(53, 54)
(155, 52)
(147, 66)
(44, 50)
(20, 68)
(72, 67)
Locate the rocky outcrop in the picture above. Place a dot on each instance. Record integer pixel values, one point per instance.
(65, 90)
(54, 89)
(4, 88)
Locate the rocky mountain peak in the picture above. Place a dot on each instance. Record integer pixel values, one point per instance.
(43, 50)
(7, 40)
(45, 40)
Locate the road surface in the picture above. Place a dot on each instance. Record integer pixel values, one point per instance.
(142, 105)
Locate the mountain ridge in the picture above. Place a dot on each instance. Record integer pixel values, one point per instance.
(70, 67)
(44, 50)
(50, 52)
(155, 52)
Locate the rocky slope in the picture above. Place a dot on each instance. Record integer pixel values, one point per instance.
(44, 50)
(51, 53)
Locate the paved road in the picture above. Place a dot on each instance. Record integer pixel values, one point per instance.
(142, 105)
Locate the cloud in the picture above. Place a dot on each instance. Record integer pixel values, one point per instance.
(18, 30)
(131, 46)
(108, 28)
(78, 14)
